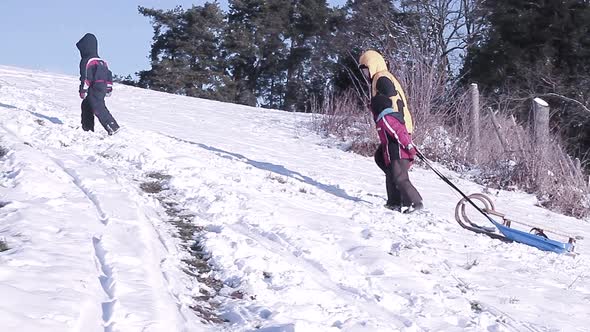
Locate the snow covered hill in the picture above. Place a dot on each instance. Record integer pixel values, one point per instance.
(289, 231)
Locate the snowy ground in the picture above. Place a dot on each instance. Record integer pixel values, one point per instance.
(294, 230)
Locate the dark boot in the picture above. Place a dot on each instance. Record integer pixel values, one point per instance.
(413, 208)
(397, 208)
(112, 127)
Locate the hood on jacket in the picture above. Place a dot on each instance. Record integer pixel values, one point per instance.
(88, 46)
(373, 61)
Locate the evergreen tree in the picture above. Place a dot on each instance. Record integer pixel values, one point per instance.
(126, 80)
(277, 51)
(186, 55)
(308, 63)
(270, 53)
(273, 53)
(241, 50)
(531, 40)
(255, 48)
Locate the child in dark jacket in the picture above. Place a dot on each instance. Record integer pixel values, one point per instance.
(395, 155)
(96, 83)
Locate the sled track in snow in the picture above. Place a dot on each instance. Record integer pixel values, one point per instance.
(107, 282)
(106, 278)
(104, 270)
(87, 192)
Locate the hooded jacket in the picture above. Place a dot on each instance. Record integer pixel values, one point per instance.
(88, 47)
(383, 82)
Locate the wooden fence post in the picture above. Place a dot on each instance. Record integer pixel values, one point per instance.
(541, 126)
(474, 124)
(541, 137)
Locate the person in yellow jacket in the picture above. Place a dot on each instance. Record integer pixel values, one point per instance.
(394, 125)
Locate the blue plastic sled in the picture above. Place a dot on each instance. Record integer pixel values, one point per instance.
(503, 231)
(533, 240)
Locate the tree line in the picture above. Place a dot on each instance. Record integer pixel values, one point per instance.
(286, 54)
(282, 53)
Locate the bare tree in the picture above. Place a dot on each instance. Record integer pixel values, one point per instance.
(445, 28)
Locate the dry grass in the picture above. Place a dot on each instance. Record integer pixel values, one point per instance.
(197, 265)
(277, 178)
(159, 176)
(344, 117)
(152, 187)
(517, 163)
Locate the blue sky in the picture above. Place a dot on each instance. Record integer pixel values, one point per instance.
(41, 34)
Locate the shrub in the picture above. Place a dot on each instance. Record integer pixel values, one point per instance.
(343, 117)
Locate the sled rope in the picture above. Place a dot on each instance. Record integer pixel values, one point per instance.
(485, 211)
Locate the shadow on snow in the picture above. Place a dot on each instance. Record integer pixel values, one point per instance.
(278, 169)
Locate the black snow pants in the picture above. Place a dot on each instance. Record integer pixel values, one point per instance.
(93, 105)
(400, 191)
